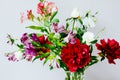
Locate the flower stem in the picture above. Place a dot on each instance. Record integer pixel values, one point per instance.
(73, 25)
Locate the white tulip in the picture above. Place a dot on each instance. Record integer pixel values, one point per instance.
(75, 13)
(88, 37)
(88, 22)
(18, 55)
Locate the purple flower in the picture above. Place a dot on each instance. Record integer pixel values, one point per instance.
(34, 37)
(11, 57)
(24, 38)
(70, 38)
(58, 29)
(29, 49)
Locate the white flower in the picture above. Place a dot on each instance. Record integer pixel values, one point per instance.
(75, 13)
(18, 55)
(88, 22)
(88, 37)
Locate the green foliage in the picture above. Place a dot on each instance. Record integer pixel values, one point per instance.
(52, 17)
(35, 44)
(93, 60)
(20, 46)
(62, 65)
(55, 20)
(41, 56)
(42, 29)
(41, 0)
(35, 27)
(47, 23)
(93, 42)
(91, 48)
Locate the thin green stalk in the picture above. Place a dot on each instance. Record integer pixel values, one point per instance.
(73, 24)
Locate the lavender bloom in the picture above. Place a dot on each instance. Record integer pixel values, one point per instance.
(70, 38)
(11, 57)
(15, 56)
(58, 29)
(24, 38)
(28, 57)
(30, 50)
(34, 37)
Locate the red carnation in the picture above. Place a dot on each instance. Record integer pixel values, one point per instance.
(75, 56)
(109, 49)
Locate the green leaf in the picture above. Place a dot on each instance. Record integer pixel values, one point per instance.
(47, 23)
(93, 42)
(54, 14)
(38, 19)
(62, 65)
(67, 25)
(51, 67)
(63, 35)
(55, 20)
(41, 56)
(102, 58)
(20, 46)
(35, 27)
(91, 48)
(35, 44)
(41, 0)
(93, 60)
(81, 22)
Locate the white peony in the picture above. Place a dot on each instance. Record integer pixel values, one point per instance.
(88, 22)
(18, 55)
(75, 13)
(88, 37)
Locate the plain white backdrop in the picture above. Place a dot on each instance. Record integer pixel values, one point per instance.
(109, 17)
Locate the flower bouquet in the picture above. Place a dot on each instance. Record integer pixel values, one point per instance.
(68, 46)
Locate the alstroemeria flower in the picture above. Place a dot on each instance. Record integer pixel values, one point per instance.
(29, 49)
(88, 37)
(46, 8)
(40, 8)
(34, 37)
(70, 38)
(58, 29)
(88, 22)
(50, 8)
(30, 15)
(15, 56)
(25, 39)
(75, 13)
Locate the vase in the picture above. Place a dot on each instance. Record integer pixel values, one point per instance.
(74, 75)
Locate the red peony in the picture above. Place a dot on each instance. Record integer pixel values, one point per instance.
(75, 56)
(109, 49)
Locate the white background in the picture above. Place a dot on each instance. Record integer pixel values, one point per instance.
(109, 17)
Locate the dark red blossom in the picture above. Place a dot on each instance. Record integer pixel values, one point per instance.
(43, 40)
(109, 49)
(75, 56)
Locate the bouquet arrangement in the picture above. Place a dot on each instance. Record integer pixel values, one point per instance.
(68, 46)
